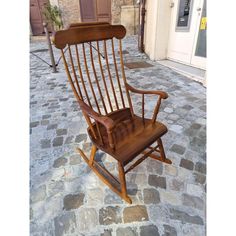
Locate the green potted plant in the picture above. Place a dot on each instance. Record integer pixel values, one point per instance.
(52, 16)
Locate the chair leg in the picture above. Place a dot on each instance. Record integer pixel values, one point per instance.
(162, 152)
(92, 155)
(90, 160)
(97, 169)
(123, 183)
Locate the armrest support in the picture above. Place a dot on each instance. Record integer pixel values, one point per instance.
(162, 94)
(105, 121)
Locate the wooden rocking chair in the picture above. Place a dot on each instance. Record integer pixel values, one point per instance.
(113, 127)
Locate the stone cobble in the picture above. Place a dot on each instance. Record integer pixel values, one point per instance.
(67, 199)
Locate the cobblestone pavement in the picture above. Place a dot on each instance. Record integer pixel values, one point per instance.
(66, 198)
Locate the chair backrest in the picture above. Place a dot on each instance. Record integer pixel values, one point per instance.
(92, 55)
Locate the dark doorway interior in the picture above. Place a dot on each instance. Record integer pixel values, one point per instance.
(95, 10)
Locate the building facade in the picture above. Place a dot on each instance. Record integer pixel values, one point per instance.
(173, 29)
(124, 12)
(176, 30)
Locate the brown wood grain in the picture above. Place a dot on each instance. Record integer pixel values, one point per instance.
(113, 127)
(76, 35)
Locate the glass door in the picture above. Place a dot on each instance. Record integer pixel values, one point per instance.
(199, 53)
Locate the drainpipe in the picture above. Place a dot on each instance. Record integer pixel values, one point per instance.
(142, 10)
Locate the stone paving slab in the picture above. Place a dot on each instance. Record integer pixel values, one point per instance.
(66, 198)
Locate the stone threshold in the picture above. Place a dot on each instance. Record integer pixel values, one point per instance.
(196, 74)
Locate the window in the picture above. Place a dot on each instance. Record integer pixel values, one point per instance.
(184, 15)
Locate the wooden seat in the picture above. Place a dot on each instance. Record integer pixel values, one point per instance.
(132, 134)
(104, 96)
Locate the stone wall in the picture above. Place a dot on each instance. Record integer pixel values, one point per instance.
(116, 9)
(130, 18)
(70, 11)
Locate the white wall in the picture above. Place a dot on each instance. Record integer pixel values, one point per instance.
(149, 27)
(157, 24)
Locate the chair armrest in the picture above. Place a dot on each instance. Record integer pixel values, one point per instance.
(162, 94)
(107, 122)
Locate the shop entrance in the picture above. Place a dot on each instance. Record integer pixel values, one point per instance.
(187, 37)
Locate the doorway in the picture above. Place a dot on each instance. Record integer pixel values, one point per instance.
(95, 10)
(187, 37)
(36, 17)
